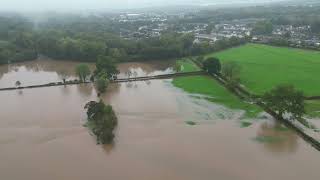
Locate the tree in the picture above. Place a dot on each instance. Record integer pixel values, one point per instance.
(212, 65)
(231, 72)
(262, 28)
(209, 28)
(101, 84)
(18, 83)
(115, 53)
(315, 27)
(287, 35)
(102, 121)
(83, 71)
(106, 64)
(285, 100)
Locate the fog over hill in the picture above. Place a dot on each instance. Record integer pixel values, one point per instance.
(65, 5)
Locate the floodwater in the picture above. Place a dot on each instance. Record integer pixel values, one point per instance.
(42, 136)
(37, 72)
(45, 70)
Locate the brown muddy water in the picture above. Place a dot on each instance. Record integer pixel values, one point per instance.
(42, 134)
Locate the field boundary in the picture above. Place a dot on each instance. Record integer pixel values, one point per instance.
(243, 94)
(121, 80)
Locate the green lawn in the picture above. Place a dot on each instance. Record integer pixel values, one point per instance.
(218, 94)
(186, 65)
(313, 108)
(264, 67)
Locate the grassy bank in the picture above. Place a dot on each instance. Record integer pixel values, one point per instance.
(264, 67)
(313, 108)
(206, 85)
(216, 93)
(186, 65)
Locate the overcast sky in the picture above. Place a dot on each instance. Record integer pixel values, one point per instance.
(105, 4)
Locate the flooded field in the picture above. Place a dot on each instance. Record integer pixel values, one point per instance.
(42, 134)
(46, 70)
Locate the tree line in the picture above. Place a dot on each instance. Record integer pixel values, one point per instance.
(86, 39)
(17, 39)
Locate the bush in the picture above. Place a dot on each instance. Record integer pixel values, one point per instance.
(212, 65)
(102, 84)
(102, 121)
(285, 99)
(231, 72)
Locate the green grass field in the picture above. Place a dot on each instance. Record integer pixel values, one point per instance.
(206, 85)
(313, 108)
(186, 65)
(264, 67)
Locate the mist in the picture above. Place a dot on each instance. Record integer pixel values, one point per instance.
(68, 5)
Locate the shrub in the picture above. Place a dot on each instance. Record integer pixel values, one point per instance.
(102, 121)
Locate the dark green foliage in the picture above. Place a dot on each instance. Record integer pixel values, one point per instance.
(85, 39)
(18, 83)
(279, 42)
(245, 124)
(228, 43)
(231, 72)
(101, 84)
(209, 28)
(191, 123)
(315, 27)
(285, 99)
(102, 121)
(10, 53)
(17, 40)
(106, 65)
(25, 55)
(54, 44)
(262, 28)
(212, 65)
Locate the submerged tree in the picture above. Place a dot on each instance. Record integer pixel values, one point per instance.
(18, 83)
(212, 65)
(101, 81)
(285, 99)
(106, 65)
(102, 121)
(101, 84)
(83, 71)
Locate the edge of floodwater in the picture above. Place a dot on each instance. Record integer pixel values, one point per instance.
(242, 94)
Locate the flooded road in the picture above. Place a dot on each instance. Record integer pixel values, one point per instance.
(42, 137)
(45, 70)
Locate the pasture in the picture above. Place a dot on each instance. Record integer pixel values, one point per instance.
(263, 67)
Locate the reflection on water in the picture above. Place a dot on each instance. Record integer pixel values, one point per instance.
(85, 90)
(37, 72)
(42, 137)
(145, 69)
(279, 138)
(43, 71)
